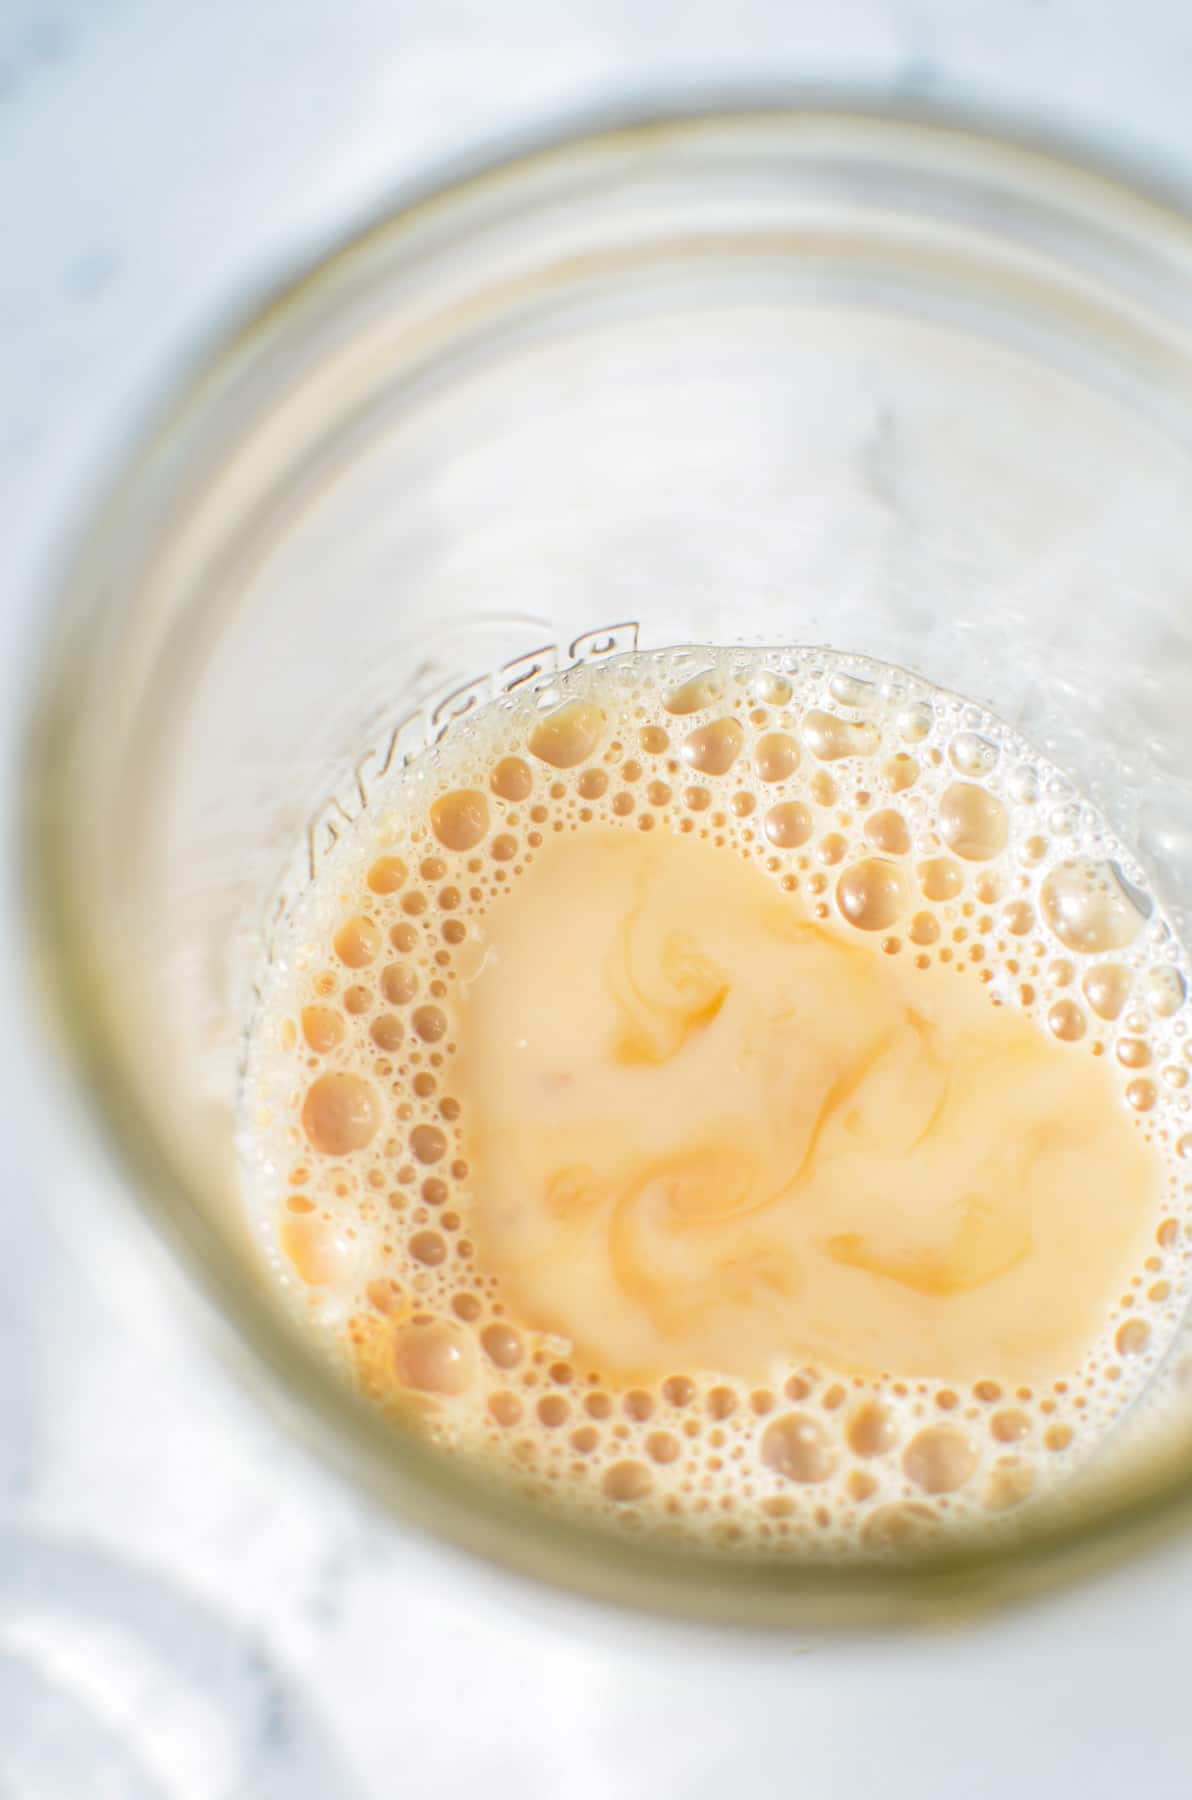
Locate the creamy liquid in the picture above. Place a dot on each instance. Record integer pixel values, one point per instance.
(721, 1132)
(723, 1093)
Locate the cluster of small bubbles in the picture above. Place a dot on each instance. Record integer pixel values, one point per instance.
(898, 814)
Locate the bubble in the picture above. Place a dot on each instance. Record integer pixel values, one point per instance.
(322, 1029)
(357, 942)
(971, 754)
(829, 738)
(1008, 1484)
(502, 1345)
(678, 1390)
(1010, 1425)
(505, 1407)
(568, 736)
(428, 1143)
(1141, 1094)
(637, 1404)
(1132, 1337)
(341, 1113)
(386, 1032)
(798, 1447)
(722, 1403)
(778, 1506)
(1106, 988)
(788, 824)
(1163, 990)
(713, 749)
(383, 1295)
(775, 756)
(625, 1481)
(386, 874)
(553, 1411)
(1022, 785)
(914, 722)
(772, 689)
(851, 690)
(430, 1022)
(939, 1459)
(973, 822)
(901, 772)
(320, 1255)
(924, 928)
(887, 831)
(872, 1429)
(1019, 918)
(1066, 1021)
(872, 894)
(1133, 1053)
(503, 847)
(940, 878)
(1087, 908)
(512, 779)
(694, 695)
(434, 1356)
(663, 1446)
(427, 1247)
(654, 740)
(903, 1525)
(460, 819)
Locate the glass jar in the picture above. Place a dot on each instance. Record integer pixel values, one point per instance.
(777, 376)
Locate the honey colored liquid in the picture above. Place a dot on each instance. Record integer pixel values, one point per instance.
(736, 1096)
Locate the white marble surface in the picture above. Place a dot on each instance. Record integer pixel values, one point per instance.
(188, 1608)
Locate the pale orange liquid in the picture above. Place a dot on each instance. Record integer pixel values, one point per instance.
(729, 1103)
(707, 1132)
